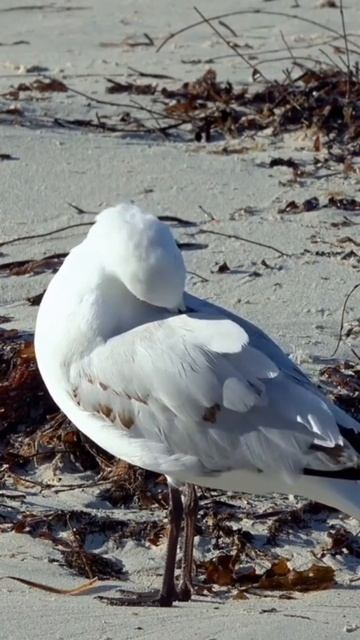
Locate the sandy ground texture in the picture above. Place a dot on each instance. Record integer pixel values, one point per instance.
(295, 293)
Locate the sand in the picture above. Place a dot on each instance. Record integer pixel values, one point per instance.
(298, 300)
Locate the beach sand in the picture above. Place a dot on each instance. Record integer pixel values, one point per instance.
(296, 297)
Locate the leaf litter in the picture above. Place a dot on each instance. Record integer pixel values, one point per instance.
(322, 101)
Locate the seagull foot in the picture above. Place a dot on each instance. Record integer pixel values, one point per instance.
(140, 599)
(184, 592)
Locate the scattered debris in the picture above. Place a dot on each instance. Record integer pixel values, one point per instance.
(84, 588)
(342, 382)
(346, 204)
(342, 541)
(7, 156)
(223, 267)
(310, 204)
(279, 577)
(322, 99)
(130, 88)
(33, 267)
(299, 518)
(23, 398)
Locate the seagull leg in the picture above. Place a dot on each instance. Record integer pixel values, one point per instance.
(168, 591)
(190, 510)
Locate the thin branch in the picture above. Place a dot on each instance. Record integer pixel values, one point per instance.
(235, 236)
(198, 275)
(56, 487)
(151, 130)
(230, 45)
(296, 61)
(253, 12)
(230, 29)
(287, 45)
(328, 41)
(340, 338)
(348, 64)
(207, 213)
(80, 210)
(45, 234)
(144, 74)
(106, 102)
(331, 60)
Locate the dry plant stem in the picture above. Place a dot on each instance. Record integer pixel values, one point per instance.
(80, 210)
(292, 55)
(328, 41)
(261, 12)
(88, 570)
(230, 29)
(191, 506)
(55, 487)
(234, 236)
(158, 128)
(107, 102)
(45, 234)
(347, 298)
(331, 60)
(231, 46)
(144, 74)
(348, 66)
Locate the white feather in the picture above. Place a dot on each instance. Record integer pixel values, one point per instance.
(202, 396)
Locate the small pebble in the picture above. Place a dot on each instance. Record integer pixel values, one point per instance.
(349, 628)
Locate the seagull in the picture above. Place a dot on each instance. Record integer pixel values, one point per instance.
(179, 386)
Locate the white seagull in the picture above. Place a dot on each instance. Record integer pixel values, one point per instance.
(177, 385)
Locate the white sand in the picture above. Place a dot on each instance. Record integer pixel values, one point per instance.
(299, 302)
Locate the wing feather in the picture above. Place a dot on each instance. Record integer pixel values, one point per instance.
(198, 388)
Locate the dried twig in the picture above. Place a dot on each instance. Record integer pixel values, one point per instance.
(227, 26)
(83, 588)
(235, 236)
(331, 60)
(340, 338)
(287, 46)
(45, 234)
(253, 12)
(348, 65)
(106, 102)
(157, 76)
(80, 210)
(231, 46)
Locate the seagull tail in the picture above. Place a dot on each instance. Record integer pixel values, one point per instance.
(340, 493)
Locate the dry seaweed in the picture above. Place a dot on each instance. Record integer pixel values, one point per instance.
(345, 204)
(92, 565)
(342, 382)
(298, 518)
(322, 100)
(222, 571)
(130, 88)
(280, 577)
(342, 541)
(310, 204)
(24, 400)
(33, 267)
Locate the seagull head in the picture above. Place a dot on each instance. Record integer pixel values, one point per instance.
(141, 251)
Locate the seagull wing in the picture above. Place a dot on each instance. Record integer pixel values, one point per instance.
(195, 393)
